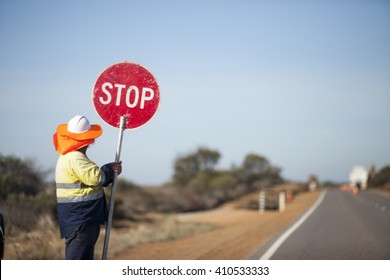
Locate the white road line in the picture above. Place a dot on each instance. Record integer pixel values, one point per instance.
(275, 246)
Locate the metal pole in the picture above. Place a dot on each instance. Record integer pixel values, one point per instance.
(113, 189)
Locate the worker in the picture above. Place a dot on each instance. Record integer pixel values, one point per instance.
(2, 234)
(81, 202)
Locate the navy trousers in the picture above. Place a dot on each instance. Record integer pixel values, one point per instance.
(80, 244)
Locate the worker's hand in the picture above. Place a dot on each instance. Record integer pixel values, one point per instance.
(117, 167)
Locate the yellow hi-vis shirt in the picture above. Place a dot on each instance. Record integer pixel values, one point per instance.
(80, 195)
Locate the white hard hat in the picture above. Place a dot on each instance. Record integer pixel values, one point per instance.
(79, 128)
(79, 124)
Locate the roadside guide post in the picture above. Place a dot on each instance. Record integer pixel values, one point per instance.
(261, 202)
(126, 96)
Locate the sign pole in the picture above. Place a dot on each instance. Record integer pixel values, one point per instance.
(113, 189)
(115, 107)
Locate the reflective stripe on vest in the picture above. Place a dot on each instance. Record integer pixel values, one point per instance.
(77, 192)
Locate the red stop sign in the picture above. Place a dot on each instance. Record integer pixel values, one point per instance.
(126, 89)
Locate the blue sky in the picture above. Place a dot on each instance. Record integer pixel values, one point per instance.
(304, 83)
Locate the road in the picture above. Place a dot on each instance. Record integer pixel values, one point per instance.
(341, 226)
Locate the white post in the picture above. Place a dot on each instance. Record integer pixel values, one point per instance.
(113, 189)
(282, 201)
(261, 202)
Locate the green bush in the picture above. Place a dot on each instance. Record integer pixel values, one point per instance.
(22, 198)
(382, 178)
(19, 176)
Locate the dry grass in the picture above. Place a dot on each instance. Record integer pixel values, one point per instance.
(166, 228)
(40, 243)
(44, 243)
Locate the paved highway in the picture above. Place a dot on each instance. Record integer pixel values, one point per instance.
(339, 226)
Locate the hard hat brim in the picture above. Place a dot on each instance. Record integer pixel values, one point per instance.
(95, 131)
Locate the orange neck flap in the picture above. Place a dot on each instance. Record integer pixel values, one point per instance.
(64, 144)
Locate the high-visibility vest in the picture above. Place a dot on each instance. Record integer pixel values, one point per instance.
(80, 195)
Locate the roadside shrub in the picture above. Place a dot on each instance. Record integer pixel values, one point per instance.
(19, 176)
(22, 212)
(382, 178)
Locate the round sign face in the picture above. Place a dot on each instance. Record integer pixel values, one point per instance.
(129, 90)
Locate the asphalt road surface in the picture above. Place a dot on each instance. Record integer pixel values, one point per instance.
(341, 226)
